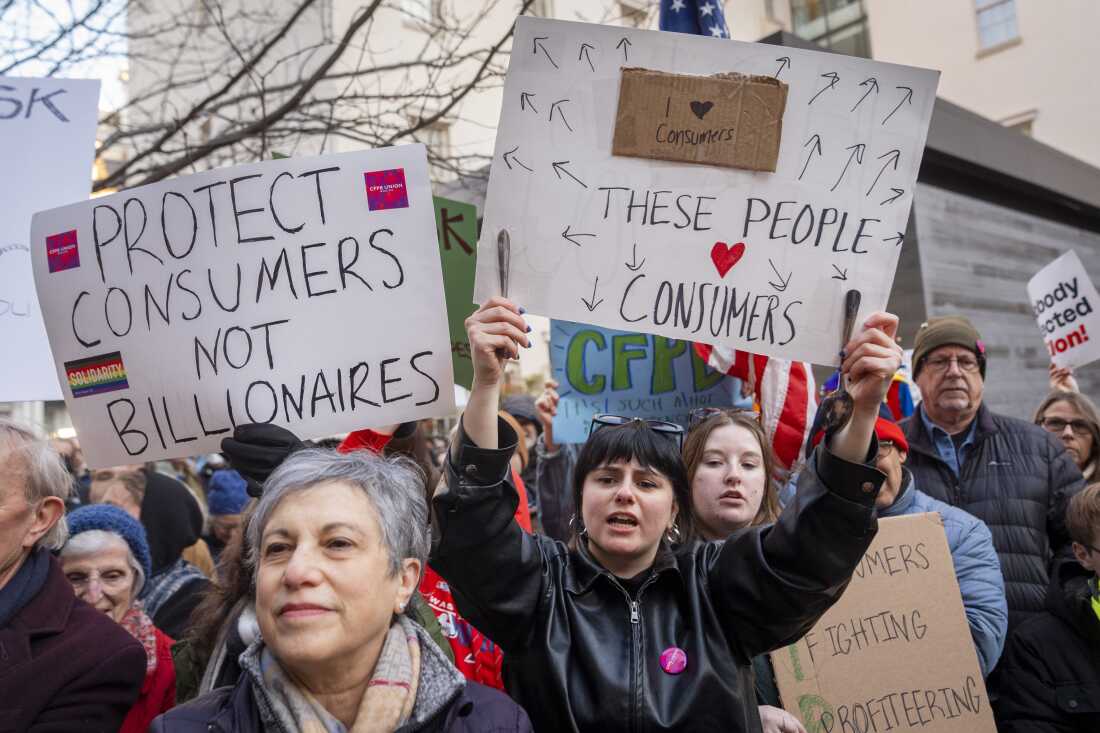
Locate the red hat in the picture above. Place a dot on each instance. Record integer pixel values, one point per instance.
(889, 430)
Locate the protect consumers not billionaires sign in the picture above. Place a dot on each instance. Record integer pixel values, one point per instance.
(1064, 301)
(895, 652)
(276, 292)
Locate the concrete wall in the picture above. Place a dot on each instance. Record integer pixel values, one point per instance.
(974, 258)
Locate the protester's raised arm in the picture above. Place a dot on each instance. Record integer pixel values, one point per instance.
(871, 359)
(496, 331)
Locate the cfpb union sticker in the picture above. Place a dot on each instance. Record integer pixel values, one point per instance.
(62, 252)
(386, 189)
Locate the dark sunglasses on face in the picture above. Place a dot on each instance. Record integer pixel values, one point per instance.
(1057, 425)
(701, 414)
(669, 430)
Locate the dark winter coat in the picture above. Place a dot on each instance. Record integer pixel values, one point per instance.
(1050, 671)
(580, 653)
(1018, 480)
(65, 666)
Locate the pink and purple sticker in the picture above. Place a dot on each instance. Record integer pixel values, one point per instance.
(62, 252)
(674, 660)
(386, 189)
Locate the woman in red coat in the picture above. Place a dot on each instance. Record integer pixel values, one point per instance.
(107, 560)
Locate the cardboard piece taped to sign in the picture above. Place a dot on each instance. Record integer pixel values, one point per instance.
(276, 292)
(895, 649)
(730, 119)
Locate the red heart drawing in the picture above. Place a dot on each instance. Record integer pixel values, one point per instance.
(725, 257)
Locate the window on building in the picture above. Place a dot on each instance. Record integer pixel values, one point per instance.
(996, 22)
(422, 11)
(437, 137)
(840, 25)
(326, 21)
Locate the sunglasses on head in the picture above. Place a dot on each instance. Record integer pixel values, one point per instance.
(665, 429)
(701, 414)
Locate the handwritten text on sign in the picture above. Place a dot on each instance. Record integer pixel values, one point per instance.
(895, 652)
(1064, 301)
(653, 377)
(273, 292)
(47, 143)
(760, 261)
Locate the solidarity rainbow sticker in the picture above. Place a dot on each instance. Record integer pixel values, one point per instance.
(96, 374)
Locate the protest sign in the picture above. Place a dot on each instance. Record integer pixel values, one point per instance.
(753, 260)
(651, 377)
(277, 292)
(1064, 301)
(47, 145)
(895, 652)
(456, 225)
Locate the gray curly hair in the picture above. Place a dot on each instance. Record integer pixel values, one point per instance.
(41, 472)
(394, 486)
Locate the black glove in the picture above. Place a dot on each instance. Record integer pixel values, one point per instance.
(255, 450)
(405, 429)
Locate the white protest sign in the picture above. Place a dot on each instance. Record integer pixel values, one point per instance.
(1064, 301)
(276, 292)
(47, 145)
(758, 261)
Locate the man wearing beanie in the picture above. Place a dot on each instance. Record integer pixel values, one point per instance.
(1009, 473)
(976, 565)
(226, 498)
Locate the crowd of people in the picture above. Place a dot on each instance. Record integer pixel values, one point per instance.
(501, 581)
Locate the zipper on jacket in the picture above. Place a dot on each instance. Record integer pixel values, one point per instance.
(634, 617)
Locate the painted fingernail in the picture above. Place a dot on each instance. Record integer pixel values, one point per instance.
(522, 310)
(528, 345)
(843, 353)
(529, 329)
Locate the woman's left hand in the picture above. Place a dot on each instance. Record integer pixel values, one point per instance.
(873, 357)
(776, 720)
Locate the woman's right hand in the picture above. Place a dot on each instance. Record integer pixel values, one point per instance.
(776, 720)
(495, 331)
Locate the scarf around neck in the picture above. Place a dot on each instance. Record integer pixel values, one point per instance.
(24, 585)
(140, 626)
(386, 705)
(162, 586)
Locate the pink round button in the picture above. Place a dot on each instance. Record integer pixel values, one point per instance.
(674, 660)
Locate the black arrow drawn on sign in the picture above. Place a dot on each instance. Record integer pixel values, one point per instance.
(841, 274)
(833, 78)
(897, 239)
(634, 265)
(907, 98)
(537, 47)
(561, 114)
(783, 282)
(584, 53)
(593, 304)
(784, 62)
(897, 195)
(516, 160)
(891, 158)
(874, 87)
(623, 44)
(857, 153)
(566, 235)
(525, 101)
(559, 168)
(816, 140)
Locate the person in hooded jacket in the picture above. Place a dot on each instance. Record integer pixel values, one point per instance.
(634, 626)
(1050, 671)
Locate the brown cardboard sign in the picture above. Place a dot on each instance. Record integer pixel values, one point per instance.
(895, 652)
(731, 120)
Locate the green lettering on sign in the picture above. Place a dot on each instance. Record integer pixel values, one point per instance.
(812, 708)
(704, 376)
(574, 362)
(622, 356)
(664, 374)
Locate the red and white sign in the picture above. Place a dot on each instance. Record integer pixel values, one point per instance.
(1065, 304)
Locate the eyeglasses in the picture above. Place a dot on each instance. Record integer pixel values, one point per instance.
(940, 364)
(110, 579)
(1057, 425)
(665, 429)
(702, 414)
(884, 448)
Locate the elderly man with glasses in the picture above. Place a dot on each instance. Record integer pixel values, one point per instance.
(1009, 473)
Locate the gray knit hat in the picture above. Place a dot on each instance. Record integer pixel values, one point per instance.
(947, 331)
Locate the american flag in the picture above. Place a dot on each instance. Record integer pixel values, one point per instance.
(701, 17)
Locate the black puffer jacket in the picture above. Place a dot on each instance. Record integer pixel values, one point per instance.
(581, 654)
(1050, 671)
(1018, 480)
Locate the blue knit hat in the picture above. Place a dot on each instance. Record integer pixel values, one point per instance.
(111, 519)
(227, 492)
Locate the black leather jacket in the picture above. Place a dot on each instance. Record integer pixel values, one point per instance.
(579, 654)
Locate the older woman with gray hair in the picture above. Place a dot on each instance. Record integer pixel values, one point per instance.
(65, 665)
(336, 545)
